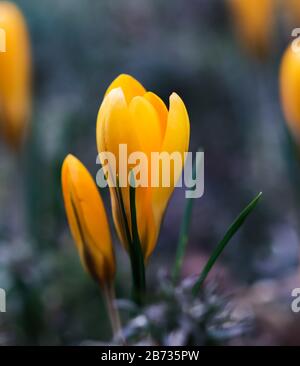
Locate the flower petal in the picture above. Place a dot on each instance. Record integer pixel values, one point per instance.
(176, 139)
(130, 86)
(160, 108)
(114, 128)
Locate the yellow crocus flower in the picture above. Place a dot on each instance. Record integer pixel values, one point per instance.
(290, 89)
(253, 21)
(131, 115)
(87, 220)
(15, 74)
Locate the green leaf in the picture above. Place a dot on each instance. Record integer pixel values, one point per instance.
(222, 244)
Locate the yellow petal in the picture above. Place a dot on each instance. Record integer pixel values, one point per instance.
(87, 220)
(145, 125)
(176, 139)
(160, 108)
(130, 86)
(113, 129)
(149, 137)
(15, 75)
(177, 135)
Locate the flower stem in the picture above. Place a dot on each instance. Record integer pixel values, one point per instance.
(136, 255)
(109, 297)
(134, 246)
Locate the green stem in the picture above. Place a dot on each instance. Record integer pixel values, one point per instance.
(134, 247)
(136, 255)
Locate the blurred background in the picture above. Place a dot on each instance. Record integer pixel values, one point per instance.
(229, 84)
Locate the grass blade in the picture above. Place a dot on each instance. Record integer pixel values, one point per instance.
(238, 222)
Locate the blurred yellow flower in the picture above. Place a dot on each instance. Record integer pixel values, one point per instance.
(15, 75)
(292, 8)
(290, 89)
(87, 220)
(253, 21)
(131, 115)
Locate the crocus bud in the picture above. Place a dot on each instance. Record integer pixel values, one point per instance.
(253, 21)
(87, 220)
(15, 74)
(290, 89)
